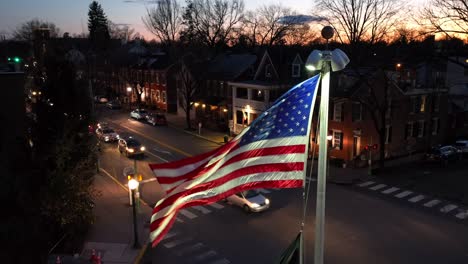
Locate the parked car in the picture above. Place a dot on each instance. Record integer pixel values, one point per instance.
(130, 146)
(114, 105)
(250, 201)
(106, 134)
(462, 146)
(102, 124)
(100, 99)
(443, 154)
(138, 114)
(156, 119)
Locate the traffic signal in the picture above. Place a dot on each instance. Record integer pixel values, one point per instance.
(15, 59)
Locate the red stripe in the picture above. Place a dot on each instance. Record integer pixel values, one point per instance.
(248, 186)
(244, 155)
(274, 167)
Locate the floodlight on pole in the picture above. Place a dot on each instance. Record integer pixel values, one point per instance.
(133, 185)
(325, 61)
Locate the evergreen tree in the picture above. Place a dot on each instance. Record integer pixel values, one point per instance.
(98, 26)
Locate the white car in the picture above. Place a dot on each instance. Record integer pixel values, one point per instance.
(250, 201)
(138, 114)
(106, 134)
(462, 146)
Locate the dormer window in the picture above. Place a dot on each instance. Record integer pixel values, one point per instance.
(296, 70)
(268, 71)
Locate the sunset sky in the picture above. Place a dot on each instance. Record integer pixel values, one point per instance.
(71, 16)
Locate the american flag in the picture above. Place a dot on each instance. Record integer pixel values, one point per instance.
(270, 153)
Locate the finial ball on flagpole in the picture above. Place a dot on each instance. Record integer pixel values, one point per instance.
(327, 32)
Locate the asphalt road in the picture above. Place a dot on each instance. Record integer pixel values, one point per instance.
(360, 227)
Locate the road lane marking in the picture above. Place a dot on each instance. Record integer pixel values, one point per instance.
(120, 184)
(432, 203)
(177, 242)
(448, 208)
(189, 249)
(393, 189)
(163, 159)
(220, 261)
(206, 255)
(162, 151)
(263, 191)
(154, 140)
(377, 187)
(462, 215)
(148, 180)
(403, 194)
(416, 198)
(201, 209)
(366, 184)
(188, 214)
(169, 235)
(216, 205)
(179, 220)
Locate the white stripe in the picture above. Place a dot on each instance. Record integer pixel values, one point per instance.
(201, 209)
(189, 249)
(188, 214)
(416, 198)
(216, 205)
(403, 194)
(377, 187)
(263, 191)
(462, 215)
(265, 176)
(366, 184)
(169, 210)
(178, 171)
(169, 235)
(177, 242)
(179, 220)
(393, 189)
(432, 203)
(448, 208)
(205, 255)
(220, 261)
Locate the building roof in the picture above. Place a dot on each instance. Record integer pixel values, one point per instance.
(228, 67)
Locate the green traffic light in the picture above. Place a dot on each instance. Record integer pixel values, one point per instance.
(9, 59)
(17, 59)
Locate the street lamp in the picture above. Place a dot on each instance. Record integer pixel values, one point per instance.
(133, 185)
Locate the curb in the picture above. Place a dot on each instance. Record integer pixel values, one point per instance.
(194, 134)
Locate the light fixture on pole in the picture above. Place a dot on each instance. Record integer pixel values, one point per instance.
(324, 61)
(133, 185)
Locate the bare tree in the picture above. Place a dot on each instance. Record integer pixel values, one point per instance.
(446, 16)
(189, 87)
(213, 21)
(164, 20)
(362, 20)
(26, 29)
(120, 31)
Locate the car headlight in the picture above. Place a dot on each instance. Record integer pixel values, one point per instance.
(142, 148)
(255, 205)
(267, 201)
(130, 150)
(106, 138)
(117, 136)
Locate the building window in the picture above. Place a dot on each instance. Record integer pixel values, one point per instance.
(268, 71)
(158, 96)
(164, 96)
(435, 126)
(413, 103)
(258, 95)
(296, 70)
(420, 128)
(337, 142)
(388, 134)
(409, 130)
(357, 112)
(241, 118)
(242, 93)
(338, 112)
(436, 103)
(422, 104)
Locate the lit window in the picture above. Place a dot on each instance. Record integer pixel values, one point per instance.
(422, 105)
(164, 96)
(158, 96)
(337, 142)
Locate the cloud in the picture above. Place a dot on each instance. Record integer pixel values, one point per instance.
(301, 19)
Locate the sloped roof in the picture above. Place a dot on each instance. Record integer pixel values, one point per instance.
(229, 66)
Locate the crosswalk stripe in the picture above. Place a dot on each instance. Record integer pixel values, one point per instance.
(416, 198)
(216, 205)
(462, 215)
(366, 184)
(169, 235)
(188, 214)
(206, 255)
(448, 208)
(403, 194)
(432, 203)
(220, 261)
(393, 189)
(177, 242)
(189, 249)
(179, 220)
(202, 209)
(377, 187)
(263, 191)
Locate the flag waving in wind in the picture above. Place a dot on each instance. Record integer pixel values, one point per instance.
(270, 153)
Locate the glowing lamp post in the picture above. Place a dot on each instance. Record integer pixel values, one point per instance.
(324, 61)
(133, 185)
